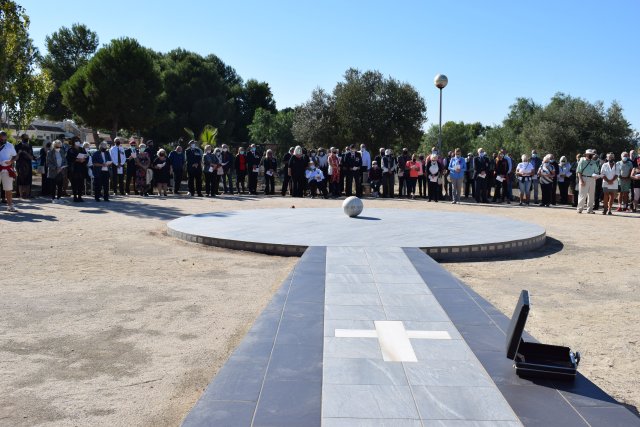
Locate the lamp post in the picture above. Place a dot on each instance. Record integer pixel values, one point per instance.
(441, 82)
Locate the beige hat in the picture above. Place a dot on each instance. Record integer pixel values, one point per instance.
(590, 151)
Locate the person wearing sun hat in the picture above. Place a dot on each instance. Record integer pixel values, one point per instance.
(587, 171)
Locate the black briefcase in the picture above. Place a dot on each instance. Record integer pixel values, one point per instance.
(534, 360)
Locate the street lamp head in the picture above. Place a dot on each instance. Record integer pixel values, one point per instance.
(440, 81)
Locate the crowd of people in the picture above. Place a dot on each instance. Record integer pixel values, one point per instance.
(143, 169)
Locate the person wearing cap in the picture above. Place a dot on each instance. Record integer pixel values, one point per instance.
(101, 164)
(24, 166)
(469, 189)
(253, 169)
(315, 177)
(610, 172)
(270, 167)
(194, 168)
(7, 174)
(536, 162)
(481, 170)
(624, 182)
(587, 171)
(130, 155)
(297, 170)
(353, 166)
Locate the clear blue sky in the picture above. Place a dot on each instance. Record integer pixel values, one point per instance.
(492, 51)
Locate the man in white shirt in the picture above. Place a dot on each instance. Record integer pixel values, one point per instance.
(366, 162)
(7, 174)
(119, 158)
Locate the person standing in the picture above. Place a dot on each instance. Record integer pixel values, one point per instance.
(554, 186)
(481, 171)
(574, 180)
(469, 188)
(43, 168)
(389, 167)
(143, 162)
(501, 179)
(434, 172)
(413, 169)
(402, 176)
(270, 167)
(117, 167)
(130, 154)
(177, 161)
(7, 174)
(227, 163)
(624, 182)
(297, 169)
(286, 179)
(77, 160)
(24, 166)
(253, 169)
(535, 179)
(524, 172)
(240, 167)
(57, 169)
(334, 173)
(600, 160)
(162, 172)
(209, 170)
(194, 168)
(564, 179)
(366, 163)
(218, 171)
(101, 164)
(635, 185)
(610, 172)
(546, 172)
(587, 172)
(510, 175)
(353, 166)
(457, 170)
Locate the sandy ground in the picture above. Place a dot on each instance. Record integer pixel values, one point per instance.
(107, 321)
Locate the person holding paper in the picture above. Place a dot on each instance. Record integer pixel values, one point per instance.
(502, 179)
(624, 182)
(117, 167)
(162, 172)
(524, 173)
(564, 178)
(194, 168)
(457, 169)
(610, 172)
(101, 164)
(143, 162)
(270, 166)
(353, 165)
(77, 161)
(334, 172)
(57, 163)
(389, 167)
(253, 169)
(434, 171)
(177, 160)
(546, 172)
(241, 169)
(130, 154)
(587, 172)
(315, 177)
(209, 170)
(413, 169)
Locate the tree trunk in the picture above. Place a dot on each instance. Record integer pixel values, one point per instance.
(114, 131)
(96, 137)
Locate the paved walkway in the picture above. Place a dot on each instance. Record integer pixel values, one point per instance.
(372, 337)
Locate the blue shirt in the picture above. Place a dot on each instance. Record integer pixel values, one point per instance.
(457, 161)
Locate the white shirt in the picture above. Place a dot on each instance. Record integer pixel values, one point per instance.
(114, 155)
(366, 159)
(314, 175)
(525, 168)
(7, 153)
(610, 172)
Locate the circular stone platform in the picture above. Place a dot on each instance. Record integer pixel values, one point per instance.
(442, 235)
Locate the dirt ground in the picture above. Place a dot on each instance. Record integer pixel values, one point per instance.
(107, 321)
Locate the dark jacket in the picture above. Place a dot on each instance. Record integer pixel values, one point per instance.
(97, 158)
(227, 161)
(194, 156)
(253, 161)
(481, 164)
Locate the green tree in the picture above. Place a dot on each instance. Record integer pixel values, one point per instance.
(454, 135)
(29, 94)
(18, 55)
(67, 50)
(273, 128)
(253, 95)
(118, 88)
(314, 122)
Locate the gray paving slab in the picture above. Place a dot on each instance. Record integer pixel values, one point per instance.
(368, 401)
(487, 234)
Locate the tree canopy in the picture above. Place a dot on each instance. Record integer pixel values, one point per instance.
(67, 50)
(365, 108)
(118, 88)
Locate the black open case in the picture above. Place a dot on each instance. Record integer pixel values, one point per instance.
(534, 360)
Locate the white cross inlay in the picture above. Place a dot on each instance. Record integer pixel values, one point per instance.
(393, 339)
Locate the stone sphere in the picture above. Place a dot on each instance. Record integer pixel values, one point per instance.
(440, 81)
(352, 206)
